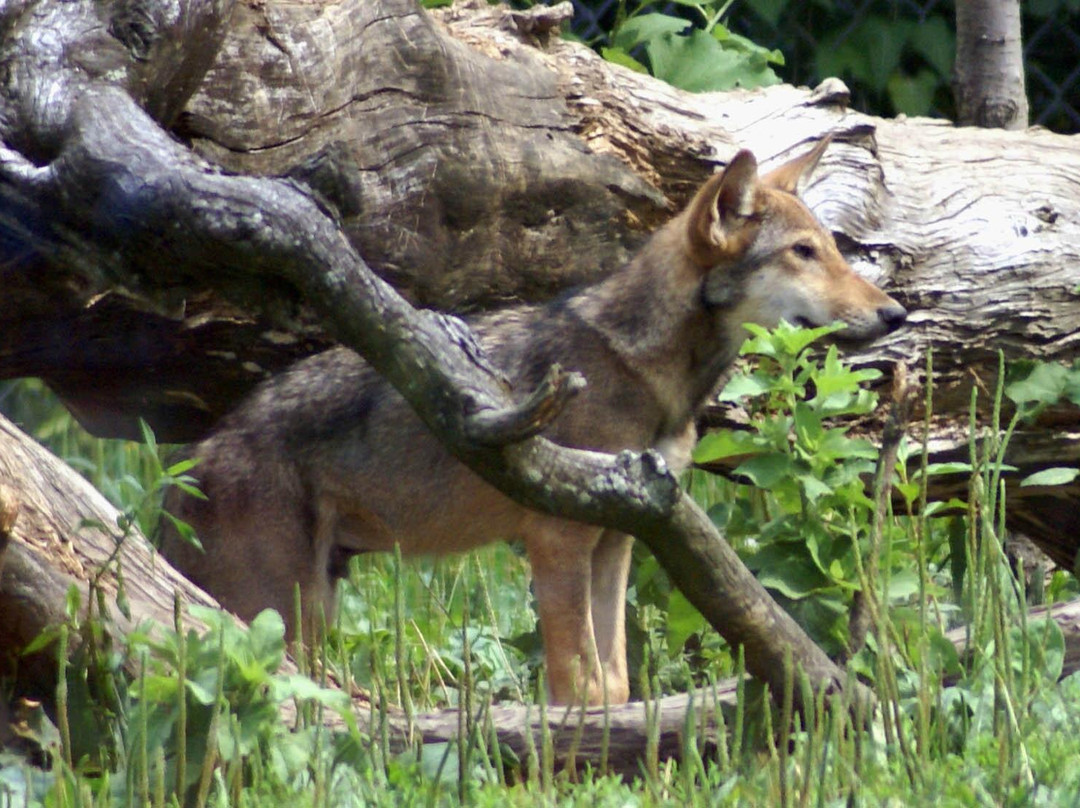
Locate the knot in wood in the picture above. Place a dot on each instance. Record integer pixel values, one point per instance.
(641, 478)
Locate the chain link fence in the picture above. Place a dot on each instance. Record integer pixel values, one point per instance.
(895, 55)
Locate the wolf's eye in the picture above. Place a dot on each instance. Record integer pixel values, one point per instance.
(804, 251)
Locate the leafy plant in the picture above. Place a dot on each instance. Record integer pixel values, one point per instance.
(803, 540)
(697, 54)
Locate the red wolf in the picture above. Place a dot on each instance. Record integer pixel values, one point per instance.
(326, 460)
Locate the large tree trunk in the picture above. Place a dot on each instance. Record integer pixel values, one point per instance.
(190, 196)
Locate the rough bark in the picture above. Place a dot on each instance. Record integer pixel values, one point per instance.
(988, 80)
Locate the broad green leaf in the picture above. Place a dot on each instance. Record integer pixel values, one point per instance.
(954, 504)
(835, 445)
(1059, 475)
(947, 468)
(744, 385)
(770, 10)
(933, 39)
(814, 488)
(620, 57)
(1045, 648)
(795, 339)
(1072, 384)
(298, 686)
(909, 491)
(698, 63)
(1044, 385)
(788, 569)
(733, 41)
(760, 342)
(942, 653)
(765, 471)
(728, 443)
(883, 39)
(203, 695)
(682, 621)
(645, 28)
(807, 425)
(266, 634)
(860, 402)
(903, 584)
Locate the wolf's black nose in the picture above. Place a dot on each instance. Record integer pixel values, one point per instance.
(892, 315)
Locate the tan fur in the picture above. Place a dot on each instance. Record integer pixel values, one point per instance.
(326, 460)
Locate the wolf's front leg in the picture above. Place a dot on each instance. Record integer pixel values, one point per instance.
(610, 570)
(560, 553)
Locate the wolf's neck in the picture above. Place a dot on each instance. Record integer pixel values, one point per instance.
(650, 314)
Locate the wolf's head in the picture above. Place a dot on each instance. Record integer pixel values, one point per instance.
(767, 257)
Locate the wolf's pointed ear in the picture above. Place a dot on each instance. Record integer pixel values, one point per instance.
(721, 215)
(788, 176)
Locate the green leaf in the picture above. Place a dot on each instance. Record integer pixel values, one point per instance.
(788, 569)
(728, 443)
(913, 95)
(620, 57)
(942, 653)
(814, 488)
(1072, 384)
(298, 686)
(267, 636)
(760, 342)
(909, 491)
(770, 10)
(203, 695)
(808, 430)
(947, 468)
(178, 468)
(884, 40)
(835, 445)
(794, 339)
(1044, 385)
(1045, 648)
(645, 28)
(733, 41)
(746, 385)
(185, 531)
(1059, 475)
(682, 621)
(935, 42)
(766, 471)
(903, 584)
(148, 436)
(698, 63)
(47, 637)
